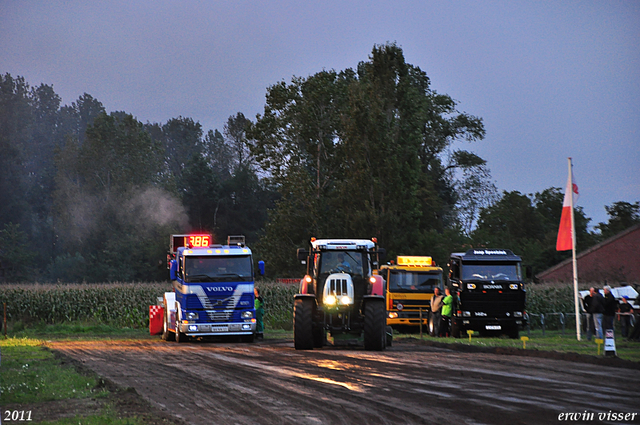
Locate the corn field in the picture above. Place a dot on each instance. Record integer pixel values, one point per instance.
(127, 304)
(117, 304)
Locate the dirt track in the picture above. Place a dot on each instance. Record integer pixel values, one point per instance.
(271, 383)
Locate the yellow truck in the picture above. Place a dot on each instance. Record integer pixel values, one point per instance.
(410, 282)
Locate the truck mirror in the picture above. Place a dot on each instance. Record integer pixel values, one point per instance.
(173, 270)
(528, 271)
(382, 255)
(302, 254)
(261, 267)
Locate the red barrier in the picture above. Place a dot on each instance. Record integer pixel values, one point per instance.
(156, 318)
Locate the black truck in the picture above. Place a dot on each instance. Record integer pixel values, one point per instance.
(489, 292)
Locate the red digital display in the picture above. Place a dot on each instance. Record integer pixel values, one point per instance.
(199, 241)
(190, 241)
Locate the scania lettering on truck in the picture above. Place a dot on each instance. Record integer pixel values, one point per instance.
(490, 292)
(340, 300)
(212, 289)
(411, 281)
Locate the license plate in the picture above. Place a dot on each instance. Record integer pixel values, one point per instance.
(493, 327)
(218, 329)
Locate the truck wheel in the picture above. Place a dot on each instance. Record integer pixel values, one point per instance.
(180, 337)
(303, 324)
(375, 323)
(455, 329)
(167, 335)
(514, 332)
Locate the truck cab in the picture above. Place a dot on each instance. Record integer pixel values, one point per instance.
(213, 289)
(410, 283)
(490, 292)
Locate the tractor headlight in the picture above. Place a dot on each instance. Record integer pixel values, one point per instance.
(330, 300)
(247, 314)
(345, 300)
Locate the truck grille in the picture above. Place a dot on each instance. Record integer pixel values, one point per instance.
(219, 316)
(196, 303)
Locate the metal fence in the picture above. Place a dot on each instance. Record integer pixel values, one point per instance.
(562, 321)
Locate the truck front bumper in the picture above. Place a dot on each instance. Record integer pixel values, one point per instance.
(215, 329)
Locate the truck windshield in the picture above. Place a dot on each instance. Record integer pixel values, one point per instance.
(491, 272)
(341, 262)
(402, 281)
(217, 268)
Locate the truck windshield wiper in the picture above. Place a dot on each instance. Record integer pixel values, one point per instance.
(199, 278)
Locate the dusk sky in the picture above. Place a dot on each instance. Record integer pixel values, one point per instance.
(550, 79)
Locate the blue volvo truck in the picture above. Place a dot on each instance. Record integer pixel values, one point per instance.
(212, 289)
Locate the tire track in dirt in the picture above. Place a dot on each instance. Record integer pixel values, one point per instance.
(271, 383)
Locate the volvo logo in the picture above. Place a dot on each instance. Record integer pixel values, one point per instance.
(219, 288)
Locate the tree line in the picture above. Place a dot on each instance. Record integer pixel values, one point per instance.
(367, 152)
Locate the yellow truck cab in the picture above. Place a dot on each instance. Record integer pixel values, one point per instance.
(409, 288)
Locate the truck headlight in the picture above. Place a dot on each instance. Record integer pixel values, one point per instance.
(247, 314)
(466, 314)
(330, 299)
(192, 315)
(393, 315)
(517, 314)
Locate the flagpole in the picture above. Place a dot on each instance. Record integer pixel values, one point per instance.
(573, 252)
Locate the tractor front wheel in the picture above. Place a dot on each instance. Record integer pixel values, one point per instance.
(375, 323)
(303, 324)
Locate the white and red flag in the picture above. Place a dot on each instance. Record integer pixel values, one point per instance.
(565, 233)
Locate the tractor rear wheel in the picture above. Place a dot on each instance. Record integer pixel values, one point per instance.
(375, 323)
(303, 324)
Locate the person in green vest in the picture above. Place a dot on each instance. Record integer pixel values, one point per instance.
(259, 306)
(447, 310)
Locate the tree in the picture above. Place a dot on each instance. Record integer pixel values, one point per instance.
(234, 130)
(622, 215)
(528, 225)
(110, 207)
(16, 257)
(182, 139)
(362, 153)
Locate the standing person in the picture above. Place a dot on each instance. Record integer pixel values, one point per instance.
(436, 311)
(597, 311)
(259, 306)
(625, 317)
(586, 304)
(447, 310)
(610, 308)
